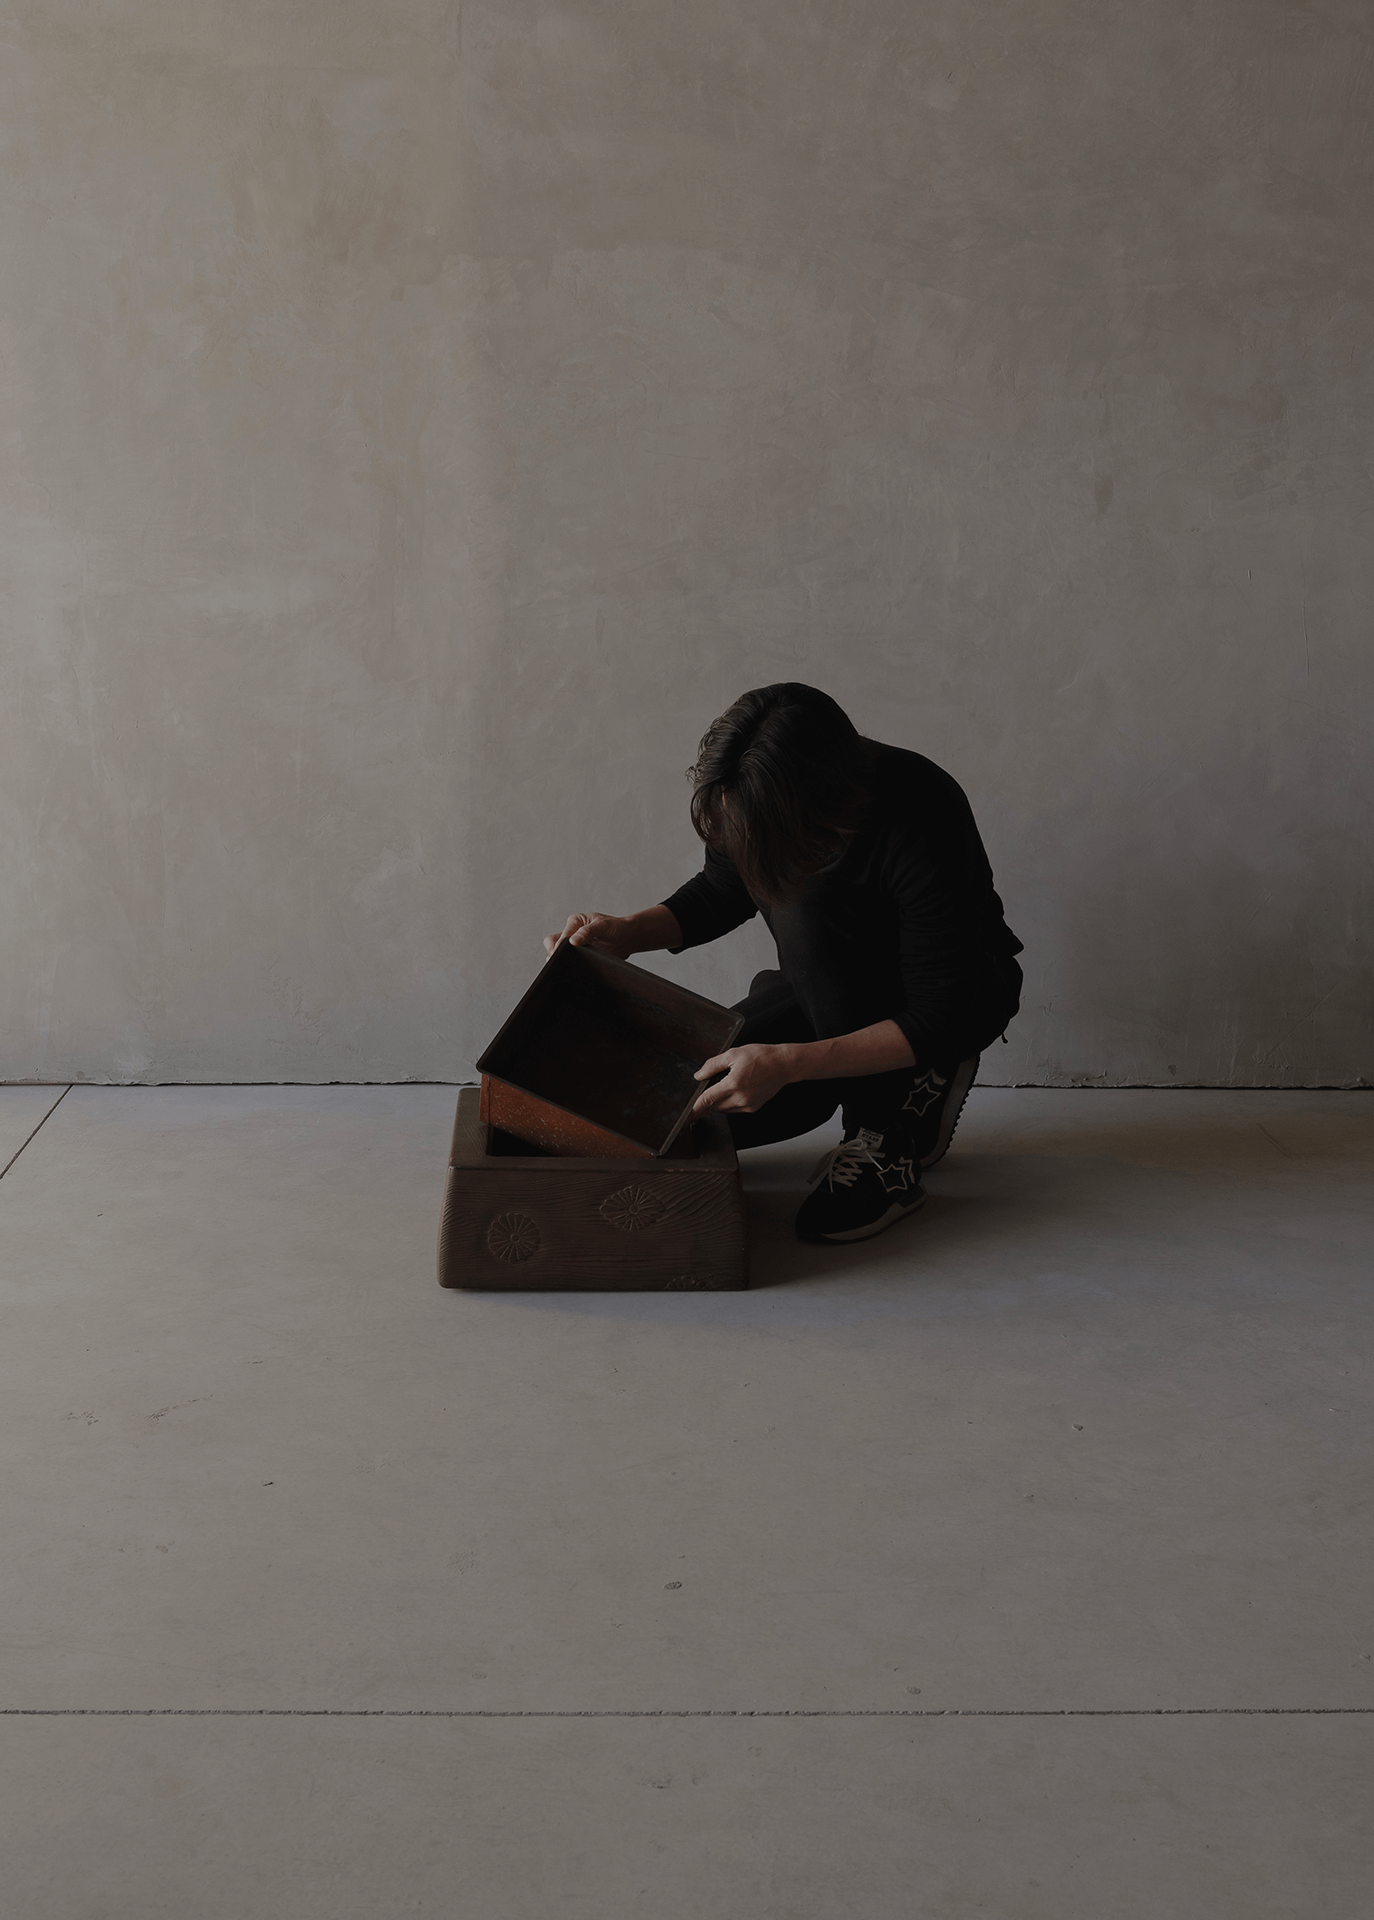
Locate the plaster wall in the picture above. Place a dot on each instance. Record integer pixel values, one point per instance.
(421, 419)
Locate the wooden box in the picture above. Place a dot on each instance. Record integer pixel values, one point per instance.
(599, 1058)
(520, 1221)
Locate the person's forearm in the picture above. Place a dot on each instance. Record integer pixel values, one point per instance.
(653, 930)
(850, 1056)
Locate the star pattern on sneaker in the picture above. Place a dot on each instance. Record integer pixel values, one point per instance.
(896, 1176)
(924, 1093)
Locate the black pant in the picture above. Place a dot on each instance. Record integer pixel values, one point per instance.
(831, 984)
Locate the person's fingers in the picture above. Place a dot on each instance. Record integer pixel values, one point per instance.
(591, 930)
(724, 1095)
(576, 922)
(718, 1063)
(552, 940)
(710, 1102)
(729, 1102)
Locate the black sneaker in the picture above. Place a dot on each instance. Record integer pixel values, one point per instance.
(933, 1106)
(869, 1182)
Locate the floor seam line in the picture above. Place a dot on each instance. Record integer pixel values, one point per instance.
(39, 1128)
(671, 1713)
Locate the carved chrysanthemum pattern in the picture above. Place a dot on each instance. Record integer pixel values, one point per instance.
(631, 1208)
(513, 1236)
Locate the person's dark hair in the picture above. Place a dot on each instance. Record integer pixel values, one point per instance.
(780, 783)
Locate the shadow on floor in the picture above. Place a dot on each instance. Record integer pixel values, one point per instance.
(777, 1258)
(1069, 1183)
(1195, 1130)
(1108, 1185)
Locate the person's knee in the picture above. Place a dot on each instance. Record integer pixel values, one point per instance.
(798, 1109)
(766, 990)
(771, 1014)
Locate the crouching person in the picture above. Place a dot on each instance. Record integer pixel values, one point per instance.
(895, 964)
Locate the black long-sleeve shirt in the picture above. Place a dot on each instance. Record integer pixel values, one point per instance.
(914, 887)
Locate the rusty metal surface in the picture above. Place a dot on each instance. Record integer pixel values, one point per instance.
(542, 1124)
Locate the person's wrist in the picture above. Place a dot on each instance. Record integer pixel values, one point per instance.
(651, 930)
(791, 1058)
(634, 935)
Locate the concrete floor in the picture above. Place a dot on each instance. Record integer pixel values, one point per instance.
(1017, 1564)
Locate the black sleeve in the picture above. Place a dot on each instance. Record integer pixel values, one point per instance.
(713, 902)
(933, 948)
(954, 946)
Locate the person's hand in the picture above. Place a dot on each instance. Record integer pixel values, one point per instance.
(600, 930)
(752, 1076)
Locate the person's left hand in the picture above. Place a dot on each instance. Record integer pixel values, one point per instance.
(752, 1076)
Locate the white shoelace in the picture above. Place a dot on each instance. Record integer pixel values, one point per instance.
(843, 1164)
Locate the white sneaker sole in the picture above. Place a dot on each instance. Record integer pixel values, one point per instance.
(964, 1076)
(889, 1219)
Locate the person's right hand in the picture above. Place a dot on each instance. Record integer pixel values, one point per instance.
(601, 930)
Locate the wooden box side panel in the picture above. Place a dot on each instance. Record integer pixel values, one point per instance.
(560, 1228)
(468, 1146)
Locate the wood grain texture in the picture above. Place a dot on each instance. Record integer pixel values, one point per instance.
(552, 1224)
